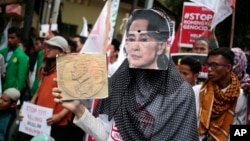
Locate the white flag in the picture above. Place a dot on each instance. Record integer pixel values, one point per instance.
(97, 37)
(84, 32)
(4, 40)
(222, 9)
(95, 42)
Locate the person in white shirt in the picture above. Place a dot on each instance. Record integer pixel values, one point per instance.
(189, 68)
(143, 104)
(114, 48)
(220, 101)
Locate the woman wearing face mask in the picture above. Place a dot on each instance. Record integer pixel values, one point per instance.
(148, 98)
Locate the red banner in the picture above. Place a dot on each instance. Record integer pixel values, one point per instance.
(196, 20)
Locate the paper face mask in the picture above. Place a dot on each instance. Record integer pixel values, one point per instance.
(147, 44)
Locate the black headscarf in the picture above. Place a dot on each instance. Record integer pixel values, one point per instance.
(150, 104)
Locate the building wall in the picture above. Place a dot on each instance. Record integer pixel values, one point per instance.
(72, 13)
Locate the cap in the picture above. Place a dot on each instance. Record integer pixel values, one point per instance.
(58, 41)
(13, 93)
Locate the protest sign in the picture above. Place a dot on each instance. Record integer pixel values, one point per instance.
(201, 57)
(35, 119)
(82, 76)
(196, 22)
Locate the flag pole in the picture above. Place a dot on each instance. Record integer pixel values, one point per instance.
(232, 28)
(107, 27)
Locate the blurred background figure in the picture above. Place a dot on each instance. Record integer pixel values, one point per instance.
(189, 68)
(8, 114)
(80, 41)
(240, 69)
(201, 45)
(114, 48)
(35, 62)
(16, 61)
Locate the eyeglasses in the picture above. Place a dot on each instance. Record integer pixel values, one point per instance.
(214, 65)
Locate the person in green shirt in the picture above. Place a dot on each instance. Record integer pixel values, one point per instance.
(16, 61)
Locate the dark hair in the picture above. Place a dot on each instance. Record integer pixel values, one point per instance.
(15, 30)
(226, 52)
(116, 44)
(82, 38)
(56, 33)
(72, 45)
(203, 38)
(39, 39)
(193, 63)
(158, 25)
(248, 58)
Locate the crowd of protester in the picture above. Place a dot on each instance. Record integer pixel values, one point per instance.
(143, 104)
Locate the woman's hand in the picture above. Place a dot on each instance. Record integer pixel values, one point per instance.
(20, 116)
(74, 106)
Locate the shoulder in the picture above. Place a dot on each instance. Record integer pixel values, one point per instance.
(241, 110)
(185, 91)
(41, 52)
(185, 86)
(3, 50)
(242, 100)
(20, 53)
(197, 89)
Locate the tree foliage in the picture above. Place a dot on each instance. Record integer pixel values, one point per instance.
(223, 29)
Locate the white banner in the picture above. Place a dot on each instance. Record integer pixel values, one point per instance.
(4, 39)
(84, 32)
(222, 9)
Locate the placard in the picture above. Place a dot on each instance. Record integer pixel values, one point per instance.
(35, 119)
(196, 21)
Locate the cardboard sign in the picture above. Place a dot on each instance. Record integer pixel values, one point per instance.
(35, 119)
(196, 20)
(201, 57)
(82, 76)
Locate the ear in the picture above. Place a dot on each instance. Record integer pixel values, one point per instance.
(13, 105)
(161, 47)
(116, 52)
(229, 68)
(196, 75)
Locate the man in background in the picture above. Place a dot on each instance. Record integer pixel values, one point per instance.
(16, 61)
(114, 48)
(220, 102)
(8, 114)
(189, 68)
(80, 40)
